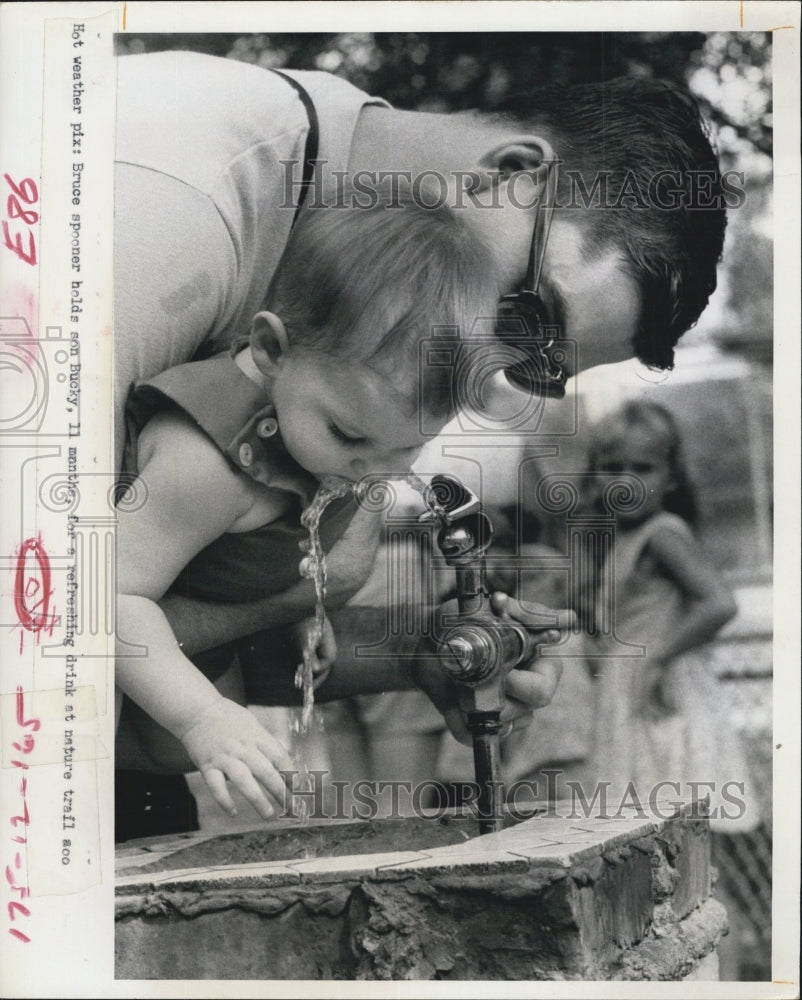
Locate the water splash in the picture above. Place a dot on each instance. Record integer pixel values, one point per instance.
(313, 567)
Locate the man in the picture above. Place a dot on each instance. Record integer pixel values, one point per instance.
(211, 157)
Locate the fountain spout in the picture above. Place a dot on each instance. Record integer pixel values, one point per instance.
(477, 648)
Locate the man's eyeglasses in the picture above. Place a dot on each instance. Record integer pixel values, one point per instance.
(522, 319)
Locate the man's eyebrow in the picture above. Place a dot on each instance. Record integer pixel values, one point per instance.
(555, 302)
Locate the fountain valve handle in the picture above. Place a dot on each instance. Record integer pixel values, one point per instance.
(477, 649)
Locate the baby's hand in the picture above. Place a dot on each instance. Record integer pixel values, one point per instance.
(227, 742)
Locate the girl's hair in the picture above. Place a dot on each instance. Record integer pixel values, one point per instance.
(369, 285)
(656, 420)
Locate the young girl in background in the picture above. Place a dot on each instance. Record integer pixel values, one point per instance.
(661, 715)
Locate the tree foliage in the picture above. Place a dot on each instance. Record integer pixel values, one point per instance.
(447, 71)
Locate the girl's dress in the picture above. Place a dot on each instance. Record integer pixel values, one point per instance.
(697, 742)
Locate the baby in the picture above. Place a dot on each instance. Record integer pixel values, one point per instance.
(332, 382)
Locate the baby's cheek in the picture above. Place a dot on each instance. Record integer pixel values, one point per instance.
(298, 446)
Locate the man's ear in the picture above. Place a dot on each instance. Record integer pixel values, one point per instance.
(269, 342)
(523, 153)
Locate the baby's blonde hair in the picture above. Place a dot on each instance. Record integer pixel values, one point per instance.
(370, 285)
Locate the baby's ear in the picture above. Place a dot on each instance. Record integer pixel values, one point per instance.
(269, 342)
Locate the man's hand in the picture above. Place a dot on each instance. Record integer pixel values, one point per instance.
(526, 688)
(350, 559)
(325, 650)
(202, 625)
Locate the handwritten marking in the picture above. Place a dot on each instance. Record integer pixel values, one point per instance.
(15, 908)
(20, 706)
(33, 617)
(741, 13)
(125, 12)
(24, 193)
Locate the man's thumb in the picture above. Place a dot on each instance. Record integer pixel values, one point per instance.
(456, 724)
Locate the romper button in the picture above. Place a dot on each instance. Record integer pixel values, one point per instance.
(245, 453)
(267, 428)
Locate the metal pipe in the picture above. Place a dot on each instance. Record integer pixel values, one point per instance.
(484, 728)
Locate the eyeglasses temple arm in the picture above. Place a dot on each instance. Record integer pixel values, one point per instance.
(540, 234)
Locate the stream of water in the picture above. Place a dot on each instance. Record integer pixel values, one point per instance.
(313, 567)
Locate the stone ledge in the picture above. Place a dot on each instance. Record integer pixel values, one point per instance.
(620, 898)
(670, 957)
(543, 841)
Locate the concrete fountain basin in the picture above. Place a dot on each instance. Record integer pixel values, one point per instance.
(556, 896)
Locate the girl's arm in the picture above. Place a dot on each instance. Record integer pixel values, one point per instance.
(709, 602)
(192, 497)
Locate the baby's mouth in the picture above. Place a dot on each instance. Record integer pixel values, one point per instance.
(336, 486)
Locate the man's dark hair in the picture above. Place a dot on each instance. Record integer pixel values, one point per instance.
(644, 136)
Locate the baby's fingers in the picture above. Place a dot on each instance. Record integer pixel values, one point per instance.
(216, 781)
(241, 776)
(266, 765)
(276, 753)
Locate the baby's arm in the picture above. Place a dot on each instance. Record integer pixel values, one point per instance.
(709, 603)
(193, 496)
